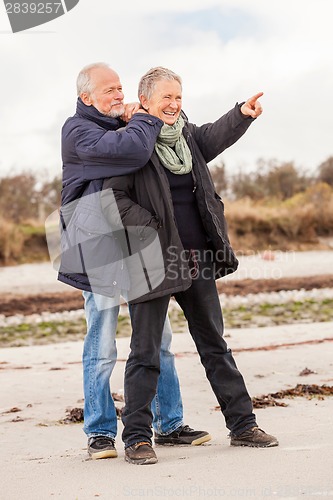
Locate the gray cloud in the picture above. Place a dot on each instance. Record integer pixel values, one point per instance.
(284, 51)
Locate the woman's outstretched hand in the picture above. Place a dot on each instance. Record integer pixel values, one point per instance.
(252, 106)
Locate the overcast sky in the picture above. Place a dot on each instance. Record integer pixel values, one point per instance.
(225, 51)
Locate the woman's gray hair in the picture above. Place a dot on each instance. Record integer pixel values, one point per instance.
(83, 81)
(148, 81)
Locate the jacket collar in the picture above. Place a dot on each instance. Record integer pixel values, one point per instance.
(91, 113)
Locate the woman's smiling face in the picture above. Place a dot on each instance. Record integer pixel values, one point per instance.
(165, 101)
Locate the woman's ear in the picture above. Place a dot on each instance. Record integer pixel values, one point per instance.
(144, 102)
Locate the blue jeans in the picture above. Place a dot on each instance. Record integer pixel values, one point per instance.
(99, 358)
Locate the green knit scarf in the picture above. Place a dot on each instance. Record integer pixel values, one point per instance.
(179, 159)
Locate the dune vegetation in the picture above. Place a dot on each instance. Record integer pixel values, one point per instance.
(277, 206)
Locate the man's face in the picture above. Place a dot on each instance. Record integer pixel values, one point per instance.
(165, 102)
(107, 95)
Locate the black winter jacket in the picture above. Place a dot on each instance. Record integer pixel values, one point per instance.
(144, 202)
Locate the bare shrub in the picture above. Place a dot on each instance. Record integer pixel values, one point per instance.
(17, 197)
(11, 242)
(270, 180)
(219, 177)
(326, 171)
(25, 197)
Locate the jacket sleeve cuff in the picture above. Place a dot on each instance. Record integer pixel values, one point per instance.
(243, 117)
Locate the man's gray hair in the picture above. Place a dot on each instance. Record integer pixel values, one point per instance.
(83, 81)
(148, 81)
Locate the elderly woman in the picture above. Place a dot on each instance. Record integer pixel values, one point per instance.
(175, 196)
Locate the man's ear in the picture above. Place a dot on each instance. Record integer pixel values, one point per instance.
(144, 102)
(86, 99)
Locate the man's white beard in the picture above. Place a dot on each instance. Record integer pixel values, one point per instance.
(116, 113)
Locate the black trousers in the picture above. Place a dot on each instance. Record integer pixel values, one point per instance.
(202, 310)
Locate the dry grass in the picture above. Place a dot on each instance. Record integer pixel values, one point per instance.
(11, 242)
(302, 222)
(21, 243)
(298, 223)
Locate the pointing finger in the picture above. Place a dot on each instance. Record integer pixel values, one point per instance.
(253, 99)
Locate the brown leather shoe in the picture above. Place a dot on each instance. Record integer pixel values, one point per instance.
(254, 437)
(141, 454)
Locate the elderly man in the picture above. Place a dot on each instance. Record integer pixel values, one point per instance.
(97, 145)
(175, 196)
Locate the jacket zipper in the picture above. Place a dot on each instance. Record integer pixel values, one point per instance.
(213, 216)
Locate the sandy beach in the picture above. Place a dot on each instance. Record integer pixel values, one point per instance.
(42, 458)
(39, 278)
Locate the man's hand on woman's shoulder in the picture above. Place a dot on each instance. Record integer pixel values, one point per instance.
(130, 110)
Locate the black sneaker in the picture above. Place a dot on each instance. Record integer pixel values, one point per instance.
(140, 454)
(183, 435)
(101, 447)
(254, 437)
